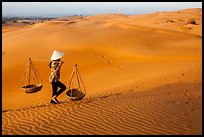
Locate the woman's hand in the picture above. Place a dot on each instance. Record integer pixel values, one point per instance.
(60, 63)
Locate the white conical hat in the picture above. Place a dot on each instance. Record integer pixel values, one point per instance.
(56, 55)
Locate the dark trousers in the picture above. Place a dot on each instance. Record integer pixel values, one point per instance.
(55, 86)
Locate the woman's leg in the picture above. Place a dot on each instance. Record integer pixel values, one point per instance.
(61, 86)
(54, 93)
(54, 88)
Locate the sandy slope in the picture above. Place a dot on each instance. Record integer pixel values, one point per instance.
(152, 112)
(119, 57)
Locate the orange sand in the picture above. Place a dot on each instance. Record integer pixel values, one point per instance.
(142, 74)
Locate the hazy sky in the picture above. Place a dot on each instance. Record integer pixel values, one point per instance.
(87, 8)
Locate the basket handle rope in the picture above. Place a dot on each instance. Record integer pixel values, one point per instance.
(79, 79)
(71, 79)
(36, 73)
(28, 71)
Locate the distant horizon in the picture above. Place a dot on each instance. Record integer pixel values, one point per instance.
(56, 16)
(60, 9)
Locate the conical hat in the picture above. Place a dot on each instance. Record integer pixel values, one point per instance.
(56, 55)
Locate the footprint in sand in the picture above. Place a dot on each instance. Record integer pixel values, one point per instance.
(179, 77)
(187, 102)
(167, 85)
(177, 102)
(181, 74)
(191, 109)
(141, 82)
(109, 62)
(187, 94)
(179, 81)
(93, 51)
(102, 57)
(118, 66)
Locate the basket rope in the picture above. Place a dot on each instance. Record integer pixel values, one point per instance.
(79, 79)
(29, 70)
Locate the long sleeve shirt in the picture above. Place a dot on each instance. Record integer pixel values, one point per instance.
(55, 71)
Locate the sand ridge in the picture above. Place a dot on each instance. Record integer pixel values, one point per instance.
(120, 113)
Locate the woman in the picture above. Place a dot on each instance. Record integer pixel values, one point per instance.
(54, 78)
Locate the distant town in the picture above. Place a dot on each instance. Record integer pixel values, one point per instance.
(33, 19)
(26, 20)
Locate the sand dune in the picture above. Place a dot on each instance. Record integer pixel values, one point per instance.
(142, 74)
(160, 111)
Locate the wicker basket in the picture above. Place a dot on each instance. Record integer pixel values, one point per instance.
(32, 88)
(75, 94)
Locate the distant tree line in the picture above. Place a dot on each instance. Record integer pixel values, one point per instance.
(16, 19)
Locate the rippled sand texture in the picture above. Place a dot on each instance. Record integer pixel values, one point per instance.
(153, 112)
(143, 75)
